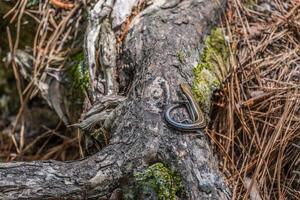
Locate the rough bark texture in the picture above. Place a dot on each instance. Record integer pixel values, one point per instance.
(140, 137)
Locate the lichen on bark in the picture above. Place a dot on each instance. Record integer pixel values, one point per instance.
(160, 179)
(212, 68)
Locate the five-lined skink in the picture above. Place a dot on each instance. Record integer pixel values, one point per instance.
(196, 114)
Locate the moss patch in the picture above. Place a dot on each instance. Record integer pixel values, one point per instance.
(180, 55)
(160, 179)
(79, 73)
(79, 83)
(212, 68)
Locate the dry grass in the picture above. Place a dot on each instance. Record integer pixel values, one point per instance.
(55, 40)
(257, 129)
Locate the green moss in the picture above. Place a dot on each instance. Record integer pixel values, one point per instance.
(212, 67)
(78, 84)
(160, 179)
(79, 73)
(180, 55)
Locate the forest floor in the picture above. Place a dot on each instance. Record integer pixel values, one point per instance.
(256, 128)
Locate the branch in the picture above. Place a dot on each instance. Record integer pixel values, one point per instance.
(140, 136)
(97, 174)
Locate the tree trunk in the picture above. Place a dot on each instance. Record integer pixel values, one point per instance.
(139, 134)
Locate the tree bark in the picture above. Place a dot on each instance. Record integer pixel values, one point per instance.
(139, 134)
